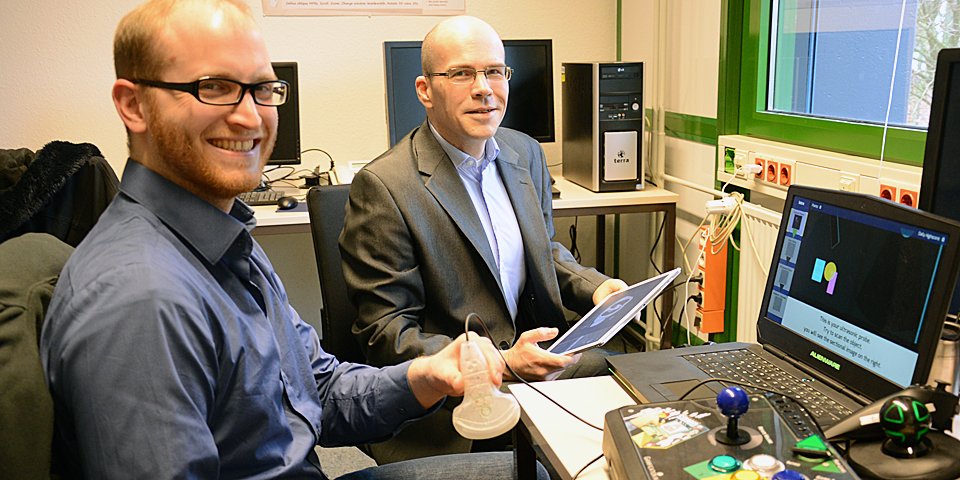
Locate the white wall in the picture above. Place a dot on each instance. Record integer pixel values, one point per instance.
(58, 67)
(690, 53)
(57, 59)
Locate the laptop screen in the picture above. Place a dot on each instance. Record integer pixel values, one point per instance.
(857, 287)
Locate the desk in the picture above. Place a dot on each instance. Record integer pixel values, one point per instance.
(574, 201)
(567, 444)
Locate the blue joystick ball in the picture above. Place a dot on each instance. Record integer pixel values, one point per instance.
(733, 402)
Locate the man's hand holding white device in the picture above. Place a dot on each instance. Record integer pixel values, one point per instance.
(487, 412)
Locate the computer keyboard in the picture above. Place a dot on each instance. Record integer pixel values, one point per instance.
(260, 197)
(746, 366)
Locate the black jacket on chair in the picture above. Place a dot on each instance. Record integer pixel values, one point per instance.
(60, 190)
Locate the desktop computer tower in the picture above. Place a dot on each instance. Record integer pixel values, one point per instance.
(603, 125)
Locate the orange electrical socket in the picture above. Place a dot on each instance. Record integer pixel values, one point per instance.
(908, 197)
(763, 168)
(773, 171)
(786, 174)
(888, 192)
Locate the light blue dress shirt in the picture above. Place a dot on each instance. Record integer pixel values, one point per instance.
(482, 181)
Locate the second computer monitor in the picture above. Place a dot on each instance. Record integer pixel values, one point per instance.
(286, 150)
(940, 186)
(530, 104)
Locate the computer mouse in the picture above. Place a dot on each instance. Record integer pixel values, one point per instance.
(286, 203)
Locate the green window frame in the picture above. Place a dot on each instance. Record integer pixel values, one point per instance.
(744, 70)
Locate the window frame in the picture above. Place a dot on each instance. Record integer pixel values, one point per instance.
(745, 54)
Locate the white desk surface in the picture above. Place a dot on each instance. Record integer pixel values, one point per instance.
(567, 443)
(571, 196)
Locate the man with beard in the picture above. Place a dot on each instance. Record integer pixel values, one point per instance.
(170, 347)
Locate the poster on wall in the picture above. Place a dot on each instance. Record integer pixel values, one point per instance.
(363, 7)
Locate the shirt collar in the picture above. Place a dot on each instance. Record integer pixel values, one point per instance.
(460, 158)
(200, 224)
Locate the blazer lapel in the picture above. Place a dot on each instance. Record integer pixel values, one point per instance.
(443, 182)
(526, 205)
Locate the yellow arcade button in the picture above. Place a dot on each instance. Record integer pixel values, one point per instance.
(745, 475)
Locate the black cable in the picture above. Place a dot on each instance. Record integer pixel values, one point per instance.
(691, 297)
(573, 240)
(576, 475)
(518, 377)
(655, 242)
(674, 286)
(265, 180)
(758, 387)
(318, 172)
(293, 171)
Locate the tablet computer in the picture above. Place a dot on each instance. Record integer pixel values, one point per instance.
(602, 322)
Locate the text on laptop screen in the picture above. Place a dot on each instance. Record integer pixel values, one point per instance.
(856, 284)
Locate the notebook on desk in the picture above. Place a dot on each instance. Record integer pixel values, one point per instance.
(852, 311)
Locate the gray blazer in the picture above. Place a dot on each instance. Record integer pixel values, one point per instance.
(417, 262)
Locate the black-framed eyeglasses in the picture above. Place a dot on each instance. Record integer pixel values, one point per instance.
(223, 91)
(469, 75)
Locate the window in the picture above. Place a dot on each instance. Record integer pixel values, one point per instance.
(819, 72)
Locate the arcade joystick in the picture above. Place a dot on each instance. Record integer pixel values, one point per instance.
(911, 451)
(906, 422)
(733, 403)
(692, 439)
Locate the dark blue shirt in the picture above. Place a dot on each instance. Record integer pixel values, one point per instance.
(172, 351)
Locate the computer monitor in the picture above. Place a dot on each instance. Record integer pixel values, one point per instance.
(286, 150)
(857, 287)
(529, 107)
(940, 184)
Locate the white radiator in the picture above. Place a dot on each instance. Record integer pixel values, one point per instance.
(758, 237)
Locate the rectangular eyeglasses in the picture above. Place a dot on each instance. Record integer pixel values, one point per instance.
(223, 91)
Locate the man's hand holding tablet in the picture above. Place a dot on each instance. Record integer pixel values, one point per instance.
(602, 322)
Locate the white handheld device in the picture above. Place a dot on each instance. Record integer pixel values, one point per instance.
(485, 412)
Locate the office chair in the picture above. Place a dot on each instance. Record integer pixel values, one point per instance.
(326, 205)
(30, 266)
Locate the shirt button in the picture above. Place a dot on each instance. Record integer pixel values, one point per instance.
(504, 345)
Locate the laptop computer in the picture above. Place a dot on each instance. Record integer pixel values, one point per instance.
(853, 308)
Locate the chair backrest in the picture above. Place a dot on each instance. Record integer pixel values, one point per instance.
(30, 266)
(326, 205)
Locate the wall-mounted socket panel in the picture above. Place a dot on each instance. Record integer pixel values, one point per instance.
(784, 165)
(899, 192)
(785, 178)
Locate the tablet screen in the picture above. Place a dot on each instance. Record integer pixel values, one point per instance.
(606, 319)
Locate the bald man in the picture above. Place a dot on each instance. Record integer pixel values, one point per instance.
(456, 219)
(170, 347)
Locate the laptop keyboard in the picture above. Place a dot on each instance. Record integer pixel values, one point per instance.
(746, 366)
(260, 197)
